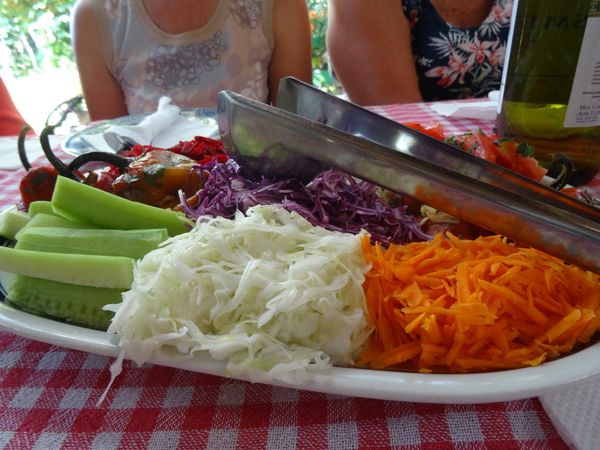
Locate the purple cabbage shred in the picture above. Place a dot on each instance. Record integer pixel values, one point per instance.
(333, 200)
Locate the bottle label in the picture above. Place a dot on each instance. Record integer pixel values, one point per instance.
(584, 101)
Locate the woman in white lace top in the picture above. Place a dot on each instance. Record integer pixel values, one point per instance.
(129, 53)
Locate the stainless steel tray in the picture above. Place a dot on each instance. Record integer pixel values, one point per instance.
(311, 103)
(274, 143)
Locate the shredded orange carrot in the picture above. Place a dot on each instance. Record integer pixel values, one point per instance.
(474, 305)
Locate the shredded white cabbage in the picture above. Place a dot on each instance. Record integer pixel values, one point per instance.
(273, 295)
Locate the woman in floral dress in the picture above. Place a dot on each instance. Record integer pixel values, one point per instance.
(401, 51)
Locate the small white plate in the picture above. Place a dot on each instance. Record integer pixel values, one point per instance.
(205, 120)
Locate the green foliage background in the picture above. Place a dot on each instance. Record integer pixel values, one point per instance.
(318, 21)
(35, 34)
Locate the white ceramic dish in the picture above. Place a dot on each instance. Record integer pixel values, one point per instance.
(567, 372)
(573, 370)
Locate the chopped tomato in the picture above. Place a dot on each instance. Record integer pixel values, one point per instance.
(529, 167)
(479, 144)
(507, 153)
(510, 157)
(434, 130)
(491, 147)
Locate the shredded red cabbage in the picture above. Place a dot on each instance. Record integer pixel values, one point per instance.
(333, 200)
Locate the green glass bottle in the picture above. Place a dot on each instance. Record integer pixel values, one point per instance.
(550, 94)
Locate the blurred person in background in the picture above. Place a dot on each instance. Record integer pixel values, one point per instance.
(11, 121)
(408, 51)
(130, 53)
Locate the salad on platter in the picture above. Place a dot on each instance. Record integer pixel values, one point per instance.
(179, 248)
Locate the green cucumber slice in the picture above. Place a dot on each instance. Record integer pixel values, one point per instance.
(130, 243)
(81, 305)
(43, 220)
(83, 203)
(41, 206)
(87, 270)
(11, 222)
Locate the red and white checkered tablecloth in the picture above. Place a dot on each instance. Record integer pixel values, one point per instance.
(48, 396)
(422, 113)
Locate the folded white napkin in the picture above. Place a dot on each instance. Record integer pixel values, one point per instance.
(147, 130)
(9, 155)
(163, 129)
(482, 110)
(575, 413)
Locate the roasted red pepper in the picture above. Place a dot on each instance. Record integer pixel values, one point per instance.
(38, 184)
(199, 149)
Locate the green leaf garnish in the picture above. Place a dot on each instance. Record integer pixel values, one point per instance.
(473, 147)
(525, 150)
(152, 173)
(454, 142)
(501, 140)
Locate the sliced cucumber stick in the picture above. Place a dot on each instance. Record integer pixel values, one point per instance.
(86, 270)
(81, 305)
(83, 203)
(41, 206)
(11, 222)
(47, 220)
(130, 243)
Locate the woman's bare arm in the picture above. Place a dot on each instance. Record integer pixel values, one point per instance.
(369, 46)
(293, 45)
(103, 95)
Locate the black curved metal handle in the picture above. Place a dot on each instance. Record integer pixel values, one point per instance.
(60, 167)
(121, 162)
(21, 147)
